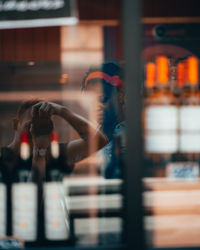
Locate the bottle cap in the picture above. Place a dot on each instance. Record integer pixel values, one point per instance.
(24, 137)
(54, 136)
(54, 145)
(162, 70)
(24, 146)
(150, 74)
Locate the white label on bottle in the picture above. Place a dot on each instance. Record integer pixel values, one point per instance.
(2, 210)
(24, 211)
(161, 142)
(190, 118)
(159, 118)
(183, 170)
(56, 219)
(189, 143)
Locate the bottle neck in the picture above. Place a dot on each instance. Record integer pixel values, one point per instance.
(191, 87)
(162, 86)
(148, 90)
(25, 175)
(53, 174)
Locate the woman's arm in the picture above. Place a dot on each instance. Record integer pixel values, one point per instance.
(76, 150)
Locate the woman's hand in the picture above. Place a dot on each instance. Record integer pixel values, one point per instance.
(42, 141)
(46, 109)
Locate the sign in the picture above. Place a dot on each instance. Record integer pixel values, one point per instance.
(11, 243)
(183, 170)
(37, 13)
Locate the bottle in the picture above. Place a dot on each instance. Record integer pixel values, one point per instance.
(24, 197)
(150, 73)
(41, 126)
(189, 140)
(3, 210)
(56, 223)
(150, 77)
(160, 123)
(8, 163)
(180, 76)
(172, 75)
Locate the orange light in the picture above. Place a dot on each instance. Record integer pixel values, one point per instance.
(31, 63)
(162, 69)
(150, 74)
(192, 70)
(65, 76)
(181, 73)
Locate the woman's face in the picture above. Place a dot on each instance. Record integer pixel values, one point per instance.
(100, 107)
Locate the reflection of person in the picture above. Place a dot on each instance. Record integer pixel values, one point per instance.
(74, 150)
(108, 85)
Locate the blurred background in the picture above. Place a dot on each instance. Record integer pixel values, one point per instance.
(51, 60)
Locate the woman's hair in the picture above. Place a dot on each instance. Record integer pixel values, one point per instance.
(41, 125)
(26, 105)
(110, 76)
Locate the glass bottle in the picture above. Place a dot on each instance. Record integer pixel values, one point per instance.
(180, 76)
(150, 73)
(189, 140)
(56, 223)
(160, 123)
(24, 197)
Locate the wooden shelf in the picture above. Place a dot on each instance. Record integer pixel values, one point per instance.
(172, 212)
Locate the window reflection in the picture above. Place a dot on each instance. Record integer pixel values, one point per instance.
(171, 162)
(90, 197)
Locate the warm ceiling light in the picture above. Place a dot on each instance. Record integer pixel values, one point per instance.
(65, 76)
(31, 63)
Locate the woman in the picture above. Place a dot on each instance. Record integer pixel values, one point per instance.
(107, 82)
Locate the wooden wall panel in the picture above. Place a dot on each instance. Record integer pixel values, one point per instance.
(30, 44)
(24, 44)
(170, 8)
(113, 46)
(99, 9)
(8, 44)
(44, 43)
(39, 43)
(119, 42)
(112, 9)
(53, 43)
